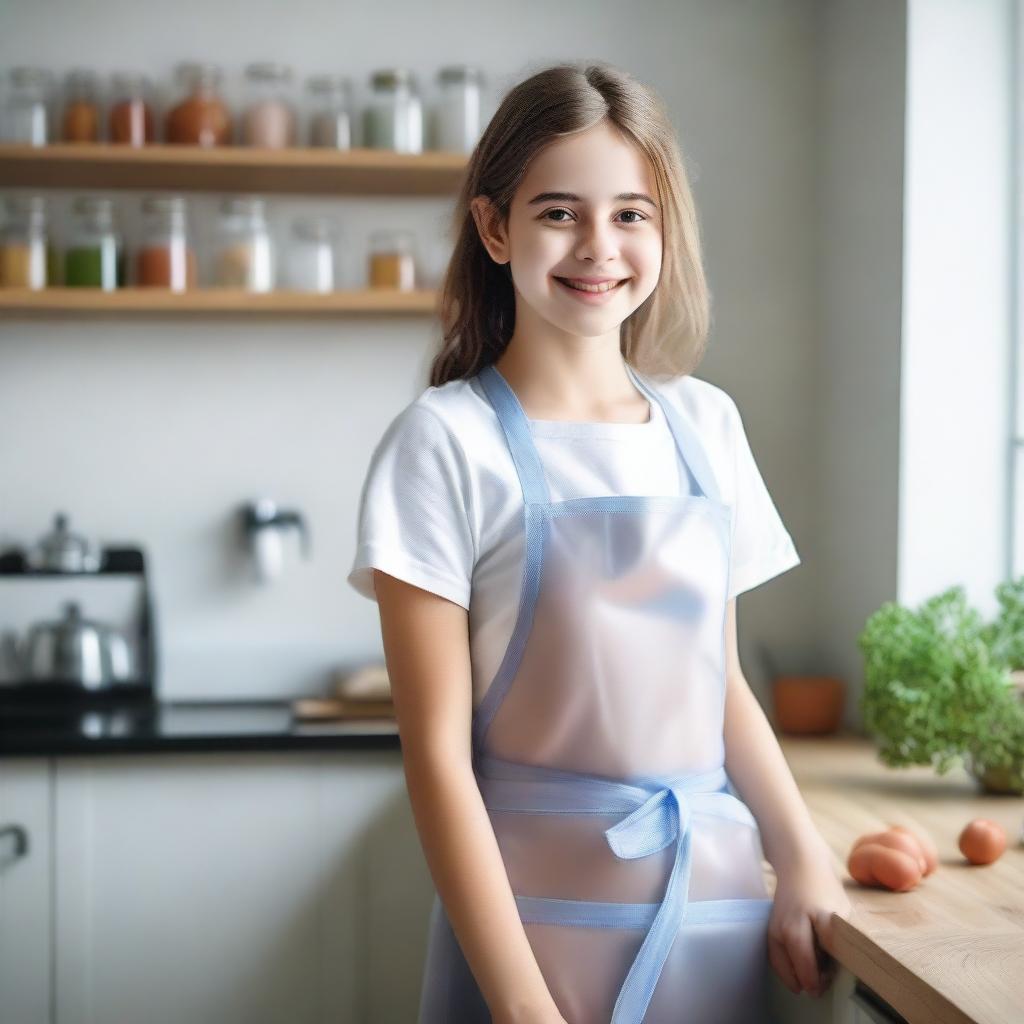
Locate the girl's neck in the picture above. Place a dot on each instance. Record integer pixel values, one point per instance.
(591, 386)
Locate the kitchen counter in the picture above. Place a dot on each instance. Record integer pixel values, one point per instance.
(168, 726)
(951, 950)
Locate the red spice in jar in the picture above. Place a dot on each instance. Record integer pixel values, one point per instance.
(132, 123)
(199, 121)
(81, 122)
(166, 266)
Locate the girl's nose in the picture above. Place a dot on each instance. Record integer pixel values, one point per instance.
(597, 243)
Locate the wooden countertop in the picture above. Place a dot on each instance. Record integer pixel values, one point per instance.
(952, 950)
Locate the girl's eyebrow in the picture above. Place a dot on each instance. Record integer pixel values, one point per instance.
(571, 197)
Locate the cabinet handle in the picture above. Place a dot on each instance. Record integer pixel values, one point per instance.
(874, 1007)
(13, 843)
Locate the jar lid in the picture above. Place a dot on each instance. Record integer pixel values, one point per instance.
(93, 206)
(163, 204)
(129, 82)
(268, 71)
(197, 74)
(25, 207)
(30, 76)
(328, 83)
(244, 206)
(456, 74)
(81, 80)
(392, 78)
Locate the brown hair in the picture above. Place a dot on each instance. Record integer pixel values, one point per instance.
(667, 333)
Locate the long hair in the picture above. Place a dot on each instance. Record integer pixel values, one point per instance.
(667, 334)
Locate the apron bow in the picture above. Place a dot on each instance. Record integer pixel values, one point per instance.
(662, 819)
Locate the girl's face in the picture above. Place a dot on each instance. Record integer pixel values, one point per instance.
(587, 209)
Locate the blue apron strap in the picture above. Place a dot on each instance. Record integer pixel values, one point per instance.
(517, 432)
(687, 441)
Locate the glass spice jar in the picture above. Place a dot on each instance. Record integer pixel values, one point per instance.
(457, 114)
(269, 118)
(392, 263)
(330, 122)
(26, 111)
(94, 255)
(131, 121)
(245, 254)
(312, 263)
(28, 258)
(165, 258)
(81, 118)
(393, 117)
(201, 117)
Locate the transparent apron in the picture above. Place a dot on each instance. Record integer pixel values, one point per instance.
(598, 750)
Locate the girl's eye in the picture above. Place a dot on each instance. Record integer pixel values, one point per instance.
(561, 209)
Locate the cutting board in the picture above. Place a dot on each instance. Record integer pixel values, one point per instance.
(333, 708)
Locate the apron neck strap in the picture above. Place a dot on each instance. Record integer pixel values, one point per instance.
(687, 441)
(516, 427)
(517, 432)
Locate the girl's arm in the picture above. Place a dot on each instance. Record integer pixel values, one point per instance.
(808, 891)
(756, 764)
(426, 646)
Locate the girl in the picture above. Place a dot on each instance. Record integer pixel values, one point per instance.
(556, 539)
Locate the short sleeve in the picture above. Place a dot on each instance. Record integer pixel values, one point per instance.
(761, 546)
(414, 510)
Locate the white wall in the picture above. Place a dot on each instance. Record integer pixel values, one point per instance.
(154, 430)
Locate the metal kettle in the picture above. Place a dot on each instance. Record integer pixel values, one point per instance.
(60, 550)
(73, 650)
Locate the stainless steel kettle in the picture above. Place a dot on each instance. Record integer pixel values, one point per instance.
(60, 550)
(71, 650)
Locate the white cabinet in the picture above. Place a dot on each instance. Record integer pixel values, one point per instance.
(240, 888)
(25, 893)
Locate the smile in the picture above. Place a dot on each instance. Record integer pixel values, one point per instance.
(590, 292)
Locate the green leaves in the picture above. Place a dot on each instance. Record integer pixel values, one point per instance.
(937, 684)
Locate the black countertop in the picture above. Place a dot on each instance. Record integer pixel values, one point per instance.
(156, 727)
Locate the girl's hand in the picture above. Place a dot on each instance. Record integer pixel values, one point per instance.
(807, 893)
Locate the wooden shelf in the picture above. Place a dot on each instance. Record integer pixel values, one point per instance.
(230, 169)
(206, 301)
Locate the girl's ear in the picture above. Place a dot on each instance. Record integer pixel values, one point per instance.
(491, 228)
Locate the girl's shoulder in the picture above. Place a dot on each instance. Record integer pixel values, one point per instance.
(453, 422)
(453, 409)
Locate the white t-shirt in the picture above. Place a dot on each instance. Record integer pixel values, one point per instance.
(442, 506)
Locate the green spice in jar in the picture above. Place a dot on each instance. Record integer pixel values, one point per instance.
(94, 254)
(94, 266)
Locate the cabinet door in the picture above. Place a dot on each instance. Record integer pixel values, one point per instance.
(238, 888)
(189, 889)
(25, 934)
(377, 890)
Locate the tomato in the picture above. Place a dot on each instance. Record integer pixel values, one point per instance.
(982, 841)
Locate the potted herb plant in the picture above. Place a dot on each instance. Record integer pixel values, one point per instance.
(938, 686)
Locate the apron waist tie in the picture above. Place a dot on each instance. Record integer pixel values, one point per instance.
(659, 813)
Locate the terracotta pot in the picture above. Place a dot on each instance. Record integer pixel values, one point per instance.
(808, 705)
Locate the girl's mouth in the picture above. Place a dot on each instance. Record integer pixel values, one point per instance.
(591, 293)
